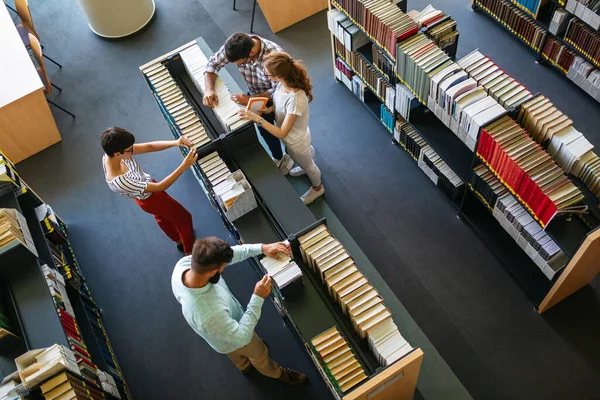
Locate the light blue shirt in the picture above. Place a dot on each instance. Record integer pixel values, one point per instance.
(213, 312)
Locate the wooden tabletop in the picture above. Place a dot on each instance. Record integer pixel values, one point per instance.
(18, 76)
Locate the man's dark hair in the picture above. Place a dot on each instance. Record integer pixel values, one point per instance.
(210, 253)
(238, 46)
(116, 140)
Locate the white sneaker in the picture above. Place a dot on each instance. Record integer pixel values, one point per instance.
(285, 164)
(297, 171)
(312, 194)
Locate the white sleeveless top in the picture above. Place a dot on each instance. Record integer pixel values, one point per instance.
(132, 183)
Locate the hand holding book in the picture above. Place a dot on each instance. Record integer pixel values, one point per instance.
(276, 250)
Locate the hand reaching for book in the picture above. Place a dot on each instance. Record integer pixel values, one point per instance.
(184, 142)
(240, 98)
(263, 287)
(210, 99)
(247, 114)
(190, 159)
(275, 250)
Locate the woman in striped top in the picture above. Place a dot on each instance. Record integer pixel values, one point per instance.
(126, 177)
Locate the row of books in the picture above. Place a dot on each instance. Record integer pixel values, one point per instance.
(182, 116)
(428, 160)
(387, 118)
(226, 110)
(405, 101)
(358, 299)
(515, 219)
(527, 170)
(373, 78)
(108, 384)
(58, 291)
(14, 231)
(67, 386)
(503, 88)
(461, 104)
(231, 189)
(558, 54)
(418, 59)
(586, 10)
(567, 146)
(36, 366)
(348, 34)
(283, 270)
(516, 21)
(344, 73)
(382, 20)
(560, 21)
(338, 359)
(65, 266)
(531, 7)
(386, 66)
(585, 76)
(438, 27)
(584, 39)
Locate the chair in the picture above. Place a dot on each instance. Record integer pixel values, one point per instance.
(36, 48)
(26, 26)
(253, 12)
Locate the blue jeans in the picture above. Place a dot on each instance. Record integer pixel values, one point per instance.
(272, 142)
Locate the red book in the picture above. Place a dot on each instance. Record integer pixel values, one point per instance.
(548, 213)
(482, 146)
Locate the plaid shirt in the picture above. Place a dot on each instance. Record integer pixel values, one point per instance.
(253, 71)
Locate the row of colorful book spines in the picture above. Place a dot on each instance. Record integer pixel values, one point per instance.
(555, 63)
(517, 34)
(584, 52)
(528, 193)
(390, 51)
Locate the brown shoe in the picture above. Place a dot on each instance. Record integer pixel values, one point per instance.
(246, 370)
(292, 377)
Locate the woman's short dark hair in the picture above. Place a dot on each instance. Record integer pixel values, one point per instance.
(210, 253)
(116, 140)
(238, 46)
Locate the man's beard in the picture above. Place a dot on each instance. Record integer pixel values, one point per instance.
(215, 278)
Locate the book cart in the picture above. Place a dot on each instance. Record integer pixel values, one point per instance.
(304, 305)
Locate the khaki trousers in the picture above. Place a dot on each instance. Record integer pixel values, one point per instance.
(257, 354)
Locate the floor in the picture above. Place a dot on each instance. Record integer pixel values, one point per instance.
(466, 302)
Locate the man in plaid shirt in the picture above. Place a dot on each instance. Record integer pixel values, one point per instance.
(248, 52)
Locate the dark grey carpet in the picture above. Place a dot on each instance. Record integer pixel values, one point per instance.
(470, 307)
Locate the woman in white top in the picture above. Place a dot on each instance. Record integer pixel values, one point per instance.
(126, 177)
(290, 101)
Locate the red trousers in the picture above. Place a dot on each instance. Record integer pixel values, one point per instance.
(172, 217)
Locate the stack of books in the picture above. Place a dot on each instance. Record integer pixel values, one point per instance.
(108, 384)
(227, 110)
(359, 87)
(9, 180)
(498, 84)
(58, 290)
(558, 54)
(381, 19)
(418, 59)
(585, 76)
(586, 10)
(36, 366)
(349, 35)
(14, 231)
(214, 168)
(283, 271)
(516, 21)
(358, 299)
(560, 20)
(386, 66)
(515, 219)
(440, 173)
(174, 105)
(527, 170)
(339, 360)
(438, 27)
(554, 130)
(387, 343)
(585, 39)
(409, 138)
(66, 386)
(405, 101)
(387, 118)
(589, 172)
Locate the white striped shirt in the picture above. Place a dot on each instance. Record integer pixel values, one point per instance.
(132, 183)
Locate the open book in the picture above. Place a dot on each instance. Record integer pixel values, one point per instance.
(257, 104)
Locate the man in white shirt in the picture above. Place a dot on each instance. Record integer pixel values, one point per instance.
(216, 315)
